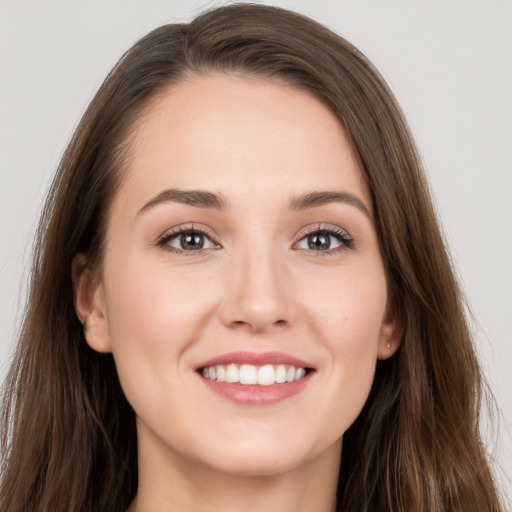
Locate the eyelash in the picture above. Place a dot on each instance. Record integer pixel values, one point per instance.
(345, 240)
(164, 240)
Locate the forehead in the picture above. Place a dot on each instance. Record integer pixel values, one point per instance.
(242, 137)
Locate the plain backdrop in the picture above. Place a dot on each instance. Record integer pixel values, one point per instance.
(449, 63)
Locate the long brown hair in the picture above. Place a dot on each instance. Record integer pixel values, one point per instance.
(69, 439)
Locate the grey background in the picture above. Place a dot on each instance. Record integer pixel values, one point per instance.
(448, 62)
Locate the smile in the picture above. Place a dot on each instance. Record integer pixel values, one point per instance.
(255, 379)
(248, 374)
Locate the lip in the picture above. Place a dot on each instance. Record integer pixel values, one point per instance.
(253, 395)
(256, 395)
(254, 358)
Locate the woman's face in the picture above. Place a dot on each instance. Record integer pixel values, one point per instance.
(241, 241)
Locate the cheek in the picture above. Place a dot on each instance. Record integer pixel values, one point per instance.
(348, 321)
(155, 308)
(153, 317)
(349, 309)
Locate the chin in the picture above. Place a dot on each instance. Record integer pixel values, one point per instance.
(257, 465)
(272, 456)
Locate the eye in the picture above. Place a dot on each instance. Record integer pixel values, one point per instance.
(325, 240)
(186, 240)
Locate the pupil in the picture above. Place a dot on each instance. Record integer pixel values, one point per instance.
(192, 241)
(319, 241)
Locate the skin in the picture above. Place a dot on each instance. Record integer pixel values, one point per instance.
(258, 286)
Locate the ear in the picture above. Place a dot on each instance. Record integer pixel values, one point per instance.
(89, 300)
(392, 331)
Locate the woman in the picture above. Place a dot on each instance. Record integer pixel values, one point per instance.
(231, 305)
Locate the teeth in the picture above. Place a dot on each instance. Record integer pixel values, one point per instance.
(249, 374)
(232, 374)
(266, 375)
(299, 374)
(281, 374)
(221, 374)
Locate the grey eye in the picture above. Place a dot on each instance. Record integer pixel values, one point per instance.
(319, 241)
(190, 241)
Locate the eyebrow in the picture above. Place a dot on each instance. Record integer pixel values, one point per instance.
(198, 198)
(205, 199)
(315, 199)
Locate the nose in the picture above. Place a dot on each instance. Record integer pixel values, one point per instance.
(258, 294)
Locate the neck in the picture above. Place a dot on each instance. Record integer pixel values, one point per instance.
(167, 482)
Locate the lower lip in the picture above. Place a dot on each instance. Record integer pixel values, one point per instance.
(252, 395)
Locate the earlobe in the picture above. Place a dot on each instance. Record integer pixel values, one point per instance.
(90, 307)
(392, 331)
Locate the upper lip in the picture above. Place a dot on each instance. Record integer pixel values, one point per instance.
(254, 358)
